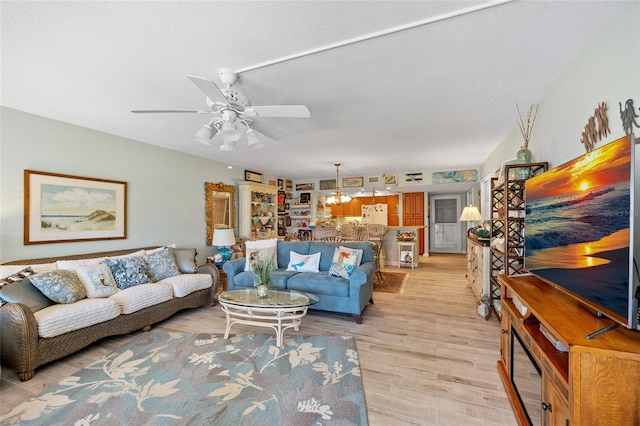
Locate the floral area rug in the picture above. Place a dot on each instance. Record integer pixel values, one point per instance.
(392, 282)
(183, 378)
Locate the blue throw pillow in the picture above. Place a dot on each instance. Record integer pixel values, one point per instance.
(61, 286)
(26, 293)
(161, 264)
(128, 271)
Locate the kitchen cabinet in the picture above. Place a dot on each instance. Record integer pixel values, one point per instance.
(353, 207)
(393, 214)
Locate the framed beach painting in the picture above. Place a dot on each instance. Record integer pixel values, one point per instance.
(62, 208)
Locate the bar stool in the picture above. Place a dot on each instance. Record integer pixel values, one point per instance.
(376, 234)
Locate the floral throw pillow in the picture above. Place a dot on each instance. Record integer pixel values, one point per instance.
(128, 271)
(303, 262)
(61, 286)
(345, 261)
(161, 264)
(261, 248)
(97, 280)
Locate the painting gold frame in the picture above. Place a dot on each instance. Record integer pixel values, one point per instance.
(216, 194)
(61, 208)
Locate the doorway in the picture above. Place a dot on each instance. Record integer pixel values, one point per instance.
(445, 232)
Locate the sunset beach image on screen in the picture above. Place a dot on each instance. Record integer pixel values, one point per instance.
(577, 226)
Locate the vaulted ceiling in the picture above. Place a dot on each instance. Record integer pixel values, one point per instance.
(394, 85)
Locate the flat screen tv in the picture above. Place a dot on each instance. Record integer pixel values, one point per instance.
(579, 230)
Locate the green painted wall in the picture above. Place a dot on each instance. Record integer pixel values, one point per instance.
(166, 196)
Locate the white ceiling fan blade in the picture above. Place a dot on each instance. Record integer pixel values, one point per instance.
(293, 111)
(146, 111)
(209, 88)
(267, 130)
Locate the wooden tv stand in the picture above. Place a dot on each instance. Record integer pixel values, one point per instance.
(597, 382)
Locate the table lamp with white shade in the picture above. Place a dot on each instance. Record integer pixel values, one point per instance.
(223, 238)
(471, 214)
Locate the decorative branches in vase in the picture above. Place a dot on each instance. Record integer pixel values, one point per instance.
(524, 154)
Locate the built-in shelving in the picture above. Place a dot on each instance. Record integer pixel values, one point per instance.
(258, 210)
(301, 216)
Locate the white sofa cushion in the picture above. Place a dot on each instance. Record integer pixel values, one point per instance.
(185, 284)
(63, 318)
(133, 299)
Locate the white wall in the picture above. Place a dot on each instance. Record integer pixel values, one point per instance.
(166, 195)
(607, 70)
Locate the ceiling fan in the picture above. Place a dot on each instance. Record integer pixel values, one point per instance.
(234, 113)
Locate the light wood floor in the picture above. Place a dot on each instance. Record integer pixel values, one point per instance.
(427, 358)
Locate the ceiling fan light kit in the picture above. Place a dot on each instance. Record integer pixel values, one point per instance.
(236, 115)
(253, 140)
(204, 134)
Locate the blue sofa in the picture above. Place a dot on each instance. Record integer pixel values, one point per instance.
(336, 294)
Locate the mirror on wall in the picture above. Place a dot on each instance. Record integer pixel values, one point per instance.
(220, 207)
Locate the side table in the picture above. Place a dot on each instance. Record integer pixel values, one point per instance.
(407, 254)
(223, 277)
(222, 281)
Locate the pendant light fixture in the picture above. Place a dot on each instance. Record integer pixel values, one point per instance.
(338, 198)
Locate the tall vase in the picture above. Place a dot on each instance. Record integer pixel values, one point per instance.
(524, 157)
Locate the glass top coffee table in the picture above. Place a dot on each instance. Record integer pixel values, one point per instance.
(280, 310)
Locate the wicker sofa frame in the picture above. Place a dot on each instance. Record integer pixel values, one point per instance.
(24, 350)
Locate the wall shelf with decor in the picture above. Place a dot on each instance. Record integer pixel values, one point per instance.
(282, 211)
(507, 224)
(301, 216)
(258, 205)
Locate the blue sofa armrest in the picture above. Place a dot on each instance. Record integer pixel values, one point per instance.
(362, 274)
(233, 268)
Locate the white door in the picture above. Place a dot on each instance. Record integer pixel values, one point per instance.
(445, 235)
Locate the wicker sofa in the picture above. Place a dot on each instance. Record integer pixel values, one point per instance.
(23, 349)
